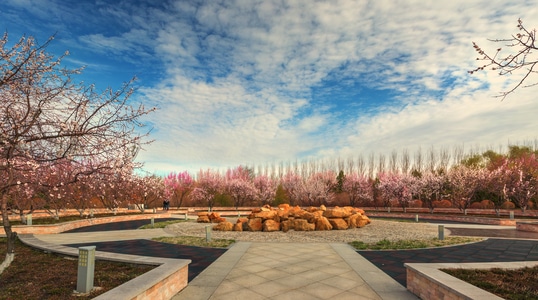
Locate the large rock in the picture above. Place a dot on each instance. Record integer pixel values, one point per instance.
(364, 220)
(337, 212)
(242, 220)
(286, 225)
(323, 223)
(224, 226)
(283, 214)
(353, 220)
(254, 224)
(218, 220)
(312, 209)
(214, 215)
(296, 212)
(266, 215)
(238, 226)
(303, 225)
(360, 211)
(338, 223)
(271, 225)
(284, 206)
(203, 219)
(310, 217)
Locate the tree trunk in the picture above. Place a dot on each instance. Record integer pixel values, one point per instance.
(11, 236)
(22, 216)
(7, 261)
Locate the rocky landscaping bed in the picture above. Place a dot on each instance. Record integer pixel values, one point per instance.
(286, 218)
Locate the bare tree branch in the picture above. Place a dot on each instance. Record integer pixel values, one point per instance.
(520, 61)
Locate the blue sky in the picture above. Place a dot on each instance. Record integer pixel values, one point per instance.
(260, 82)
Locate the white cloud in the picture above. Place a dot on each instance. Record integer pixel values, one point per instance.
(240, 78)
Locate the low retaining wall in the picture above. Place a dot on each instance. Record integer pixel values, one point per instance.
(527, 226)
(58, 228)
(427, 281)
(465, 219)
(166, 280)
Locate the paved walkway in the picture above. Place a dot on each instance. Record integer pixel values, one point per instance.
(299, 270)
(292, 271)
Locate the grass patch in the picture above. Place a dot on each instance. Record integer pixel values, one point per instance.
(34, 274)
(413, 244)
(195, 241)
(161, 224)
(507, 284)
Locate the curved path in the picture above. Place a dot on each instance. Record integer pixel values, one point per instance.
(201, 257)
(120, 238)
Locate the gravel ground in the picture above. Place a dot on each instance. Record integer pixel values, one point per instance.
(375, 231)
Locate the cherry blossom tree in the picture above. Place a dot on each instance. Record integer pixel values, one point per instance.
(81, 193)
(209, 185)
(148, 191)
(112, 192)
(494, 187)
(521, 180)
(464, 182)
(397, 187)
(178, 187)
(239, 186)
(265, 189)
(520, 59)
(53, 188)
(293, 184)
(359, 189)
(431, 186)
(318, 188)
(20, 198)
(45, 118)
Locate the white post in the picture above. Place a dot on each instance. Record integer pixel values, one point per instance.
(208, 234)
(441, 232)
(86, 267)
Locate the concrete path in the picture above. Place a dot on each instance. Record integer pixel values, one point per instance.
(102, 236)
(292, 271)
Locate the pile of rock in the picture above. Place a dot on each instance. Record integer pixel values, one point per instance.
(287, 218)
(209, 217)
